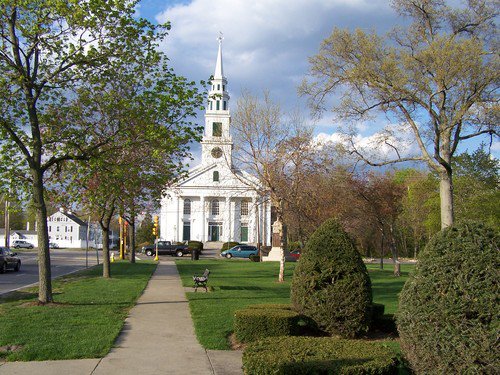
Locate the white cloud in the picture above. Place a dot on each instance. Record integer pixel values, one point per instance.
(267, 42)
(495, 146)
(377, 147)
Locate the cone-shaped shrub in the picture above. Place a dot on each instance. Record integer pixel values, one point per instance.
(448, 317)
(331, 284)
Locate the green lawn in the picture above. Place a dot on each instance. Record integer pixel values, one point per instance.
(385, 286)
(236, 284)
(84, 321)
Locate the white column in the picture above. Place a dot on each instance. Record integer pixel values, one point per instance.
(227, 219)
(254, 221)
(178, 221)
(202, 203)
(268, 222)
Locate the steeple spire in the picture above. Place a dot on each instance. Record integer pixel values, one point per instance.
(219, 72)
(217, 144)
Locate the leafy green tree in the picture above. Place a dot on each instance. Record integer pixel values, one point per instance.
(49, 50)
(479, 165)
(437, 79)
(147, 152)
(476, 187)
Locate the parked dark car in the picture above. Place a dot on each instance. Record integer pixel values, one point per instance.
(240, 251)
(22, 244)
(166, 248)
(9, 260)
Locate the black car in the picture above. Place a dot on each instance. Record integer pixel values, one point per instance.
(166, 248)
(9, 260)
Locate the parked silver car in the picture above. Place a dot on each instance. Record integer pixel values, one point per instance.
(22, 244)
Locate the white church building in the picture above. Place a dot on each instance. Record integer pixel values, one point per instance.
(216, 202)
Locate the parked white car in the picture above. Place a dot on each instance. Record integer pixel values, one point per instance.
(22, 244)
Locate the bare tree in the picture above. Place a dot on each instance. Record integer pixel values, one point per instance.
(274, 147)
(438, 79)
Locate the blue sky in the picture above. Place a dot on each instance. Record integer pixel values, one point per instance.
(266, 43)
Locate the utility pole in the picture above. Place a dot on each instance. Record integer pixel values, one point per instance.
(120, 221)
(7, 222)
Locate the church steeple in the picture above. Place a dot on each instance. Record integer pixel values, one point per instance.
(217, 143)
(219, 71)
(218, 96)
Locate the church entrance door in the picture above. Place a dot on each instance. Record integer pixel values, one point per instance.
(214, 231)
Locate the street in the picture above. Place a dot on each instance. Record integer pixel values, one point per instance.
(62, 262)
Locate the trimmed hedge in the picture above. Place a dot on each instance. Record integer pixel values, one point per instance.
(331, 284)
(279, 306)
(261, 321)
(449, 314)
(228, 245)
(317, 355)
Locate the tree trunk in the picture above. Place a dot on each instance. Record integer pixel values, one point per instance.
(106, 266)
(104, 223)
(281, 277)
(382, 252)
(279, 217)
(446, 195)
(44, 271)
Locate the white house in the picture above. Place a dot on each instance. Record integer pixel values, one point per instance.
(216, 202)
(67, 230)
(30, 236)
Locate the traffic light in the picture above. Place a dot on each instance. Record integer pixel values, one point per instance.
(155, 226)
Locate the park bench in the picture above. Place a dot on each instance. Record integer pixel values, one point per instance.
(201, 280)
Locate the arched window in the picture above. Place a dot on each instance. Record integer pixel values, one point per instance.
(244, 208)
(187, 206)
(216, 176)
(224, 105)
(214, 209)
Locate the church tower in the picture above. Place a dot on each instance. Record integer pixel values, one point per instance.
(217, 145)
(216, 201)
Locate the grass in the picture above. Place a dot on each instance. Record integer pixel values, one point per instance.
(237, 284)
(386, 287)
(83, 322)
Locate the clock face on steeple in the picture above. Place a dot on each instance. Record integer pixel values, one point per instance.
(216, 152)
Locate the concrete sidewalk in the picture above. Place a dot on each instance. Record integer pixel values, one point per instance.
(157, 338)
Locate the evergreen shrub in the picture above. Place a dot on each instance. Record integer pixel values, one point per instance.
(317, 355)
(261, 321)
(377, 311)
(255, 258)
(195, 245)
(448, 317)
(331, 284)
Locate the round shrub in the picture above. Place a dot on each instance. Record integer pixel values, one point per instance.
(331, 284)
(317, 355)
(255, 258)
(196, 245)
(448, 317)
